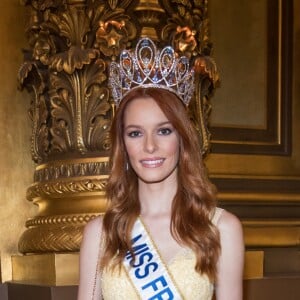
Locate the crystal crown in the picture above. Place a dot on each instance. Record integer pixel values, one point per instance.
(146, 66)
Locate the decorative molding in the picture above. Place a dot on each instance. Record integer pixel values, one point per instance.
(62, 189)
(56, 233)
(68, 170)
(278, 233)
(257, 184)
(275, 138)
(260, 197)
(60, 220)
(51, 238)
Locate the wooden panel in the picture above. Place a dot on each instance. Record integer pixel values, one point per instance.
(280, 288)
(271, 136)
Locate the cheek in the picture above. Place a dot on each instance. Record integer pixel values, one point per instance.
(173, 148)
(132, 148)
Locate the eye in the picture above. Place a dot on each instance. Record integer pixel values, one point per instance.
(134, 133)
(165, 131)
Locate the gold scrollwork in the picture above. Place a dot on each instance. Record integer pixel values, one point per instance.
(66, 188)
(70, 170)
(113, 36)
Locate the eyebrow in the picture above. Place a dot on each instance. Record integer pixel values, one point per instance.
(158, 125)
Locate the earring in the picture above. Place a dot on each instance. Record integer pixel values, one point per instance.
(126, 166)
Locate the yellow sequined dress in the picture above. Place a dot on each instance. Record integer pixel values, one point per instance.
(192, 286)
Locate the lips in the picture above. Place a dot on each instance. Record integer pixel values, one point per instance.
(152, 163)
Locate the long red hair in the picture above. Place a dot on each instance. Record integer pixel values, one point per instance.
(193, 204)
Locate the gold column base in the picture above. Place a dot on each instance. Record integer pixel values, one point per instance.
(56, 269)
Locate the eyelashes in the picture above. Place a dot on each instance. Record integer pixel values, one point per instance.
(134, 133)
(163, 131)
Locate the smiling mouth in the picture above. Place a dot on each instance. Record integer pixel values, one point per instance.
(152, 163)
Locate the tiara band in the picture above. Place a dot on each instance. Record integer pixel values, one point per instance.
(146, 66)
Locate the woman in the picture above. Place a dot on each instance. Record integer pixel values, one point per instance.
(162, 236)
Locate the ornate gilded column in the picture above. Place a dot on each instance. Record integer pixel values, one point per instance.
(71, 43)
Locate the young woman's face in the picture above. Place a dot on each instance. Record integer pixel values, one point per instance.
(151, 142)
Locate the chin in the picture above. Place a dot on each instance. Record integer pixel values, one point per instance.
(154, 179)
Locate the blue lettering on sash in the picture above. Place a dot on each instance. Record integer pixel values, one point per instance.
(136, 249)
(143, 266)
(143, 258)
(133, 240)
(161, 295)
(152, 265)
(157, 284)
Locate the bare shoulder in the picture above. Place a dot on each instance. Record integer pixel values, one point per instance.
(89, 258)
(229, 223)
(231, 260)
(231, 232)
(92, 235)
(93, 227)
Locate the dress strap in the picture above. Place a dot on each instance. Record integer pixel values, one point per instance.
(96, 290)
(216, 216)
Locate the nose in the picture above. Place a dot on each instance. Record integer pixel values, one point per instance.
(150, 144)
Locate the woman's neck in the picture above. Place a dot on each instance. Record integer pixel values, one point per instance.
(156, 198)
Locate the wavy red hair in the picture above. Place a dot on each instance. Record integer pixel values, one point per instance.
(193, 204)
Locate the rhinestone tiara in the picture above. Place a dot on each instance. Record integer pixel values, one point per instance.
(146, 66)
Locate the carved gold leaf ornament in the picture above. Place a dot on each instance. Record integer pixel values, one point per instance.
(113, 3)
(42, 4)
(79, 120)
(74, 58)
(184, 40)
(40, 142)
(27, 69)
(72, 24)
(192, 17)
(121, 4)
(113, 36)
(206, 66)
(44, 47)
(110, 37)
(30, 71)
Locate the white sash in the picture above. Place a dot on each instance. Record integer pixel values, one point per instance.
(148, 273)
